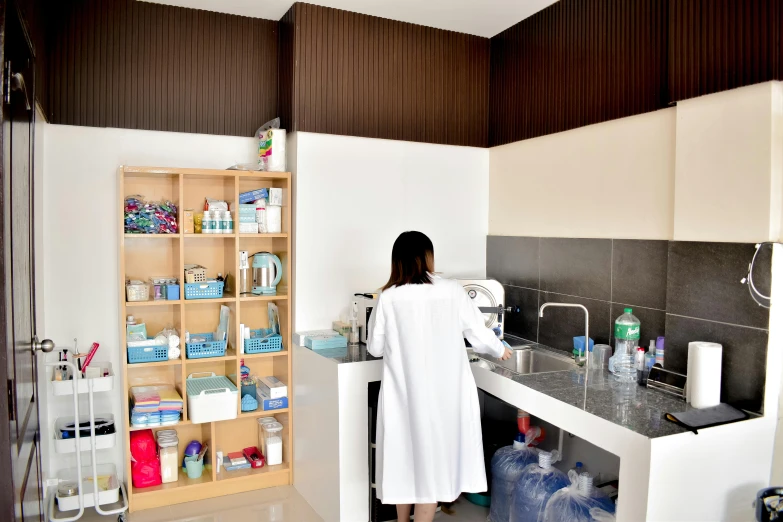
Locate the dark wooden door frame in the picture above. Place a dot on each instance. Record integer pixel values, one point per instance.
(8, 490)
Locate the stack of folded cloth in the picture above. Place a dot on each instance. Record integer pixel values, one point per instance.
(155, 406)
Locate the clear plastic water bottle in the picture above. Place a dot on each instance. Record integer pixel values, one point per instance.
(626, 334)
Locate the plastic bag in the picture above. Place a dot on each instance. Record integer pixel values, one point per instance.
(507, 465)
(536, 484)
(271, 146)
(145, 465)
(579, 502)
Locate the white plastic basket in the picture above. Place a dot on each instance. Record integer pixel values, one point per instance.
(69, 445)
(108, 491)
(137, 291)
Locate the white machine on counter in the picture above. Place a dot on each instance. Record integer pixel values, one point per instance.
(489, 296)
(364, 303)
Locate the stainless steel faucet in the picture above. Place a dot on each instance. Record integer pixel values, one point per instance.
(587, 325)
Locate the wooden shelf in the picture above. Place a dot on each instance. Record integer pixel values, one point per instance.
(159, 302)
(281, 353)
(263, 297)
(153, 236)
(139, 259)
(210, 236)
(260, 413)
(170, 362)
(226, 476)
(227, 298)
(169, 427)
(262, 236)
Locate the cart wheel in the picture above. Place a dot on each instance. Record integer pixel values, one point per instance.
(122, 517)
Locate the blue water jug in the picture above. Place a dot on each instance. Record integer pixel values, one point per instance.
(506, 467)
(536, 484)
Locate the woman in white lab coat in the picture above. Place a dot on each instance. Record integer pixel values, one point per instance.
(429, 446)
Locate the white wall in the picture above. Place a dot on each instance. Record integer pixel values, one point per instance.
(612, 179)
(728, 176)
(80, 197)
(353, 198)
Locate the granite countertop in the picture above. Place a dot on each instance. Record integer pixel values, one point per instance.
(629, 405)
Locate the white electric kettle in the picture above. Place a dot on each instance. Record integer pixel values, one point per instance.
(267, 272)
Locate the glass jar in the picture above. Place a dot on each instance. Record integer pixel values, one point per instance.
(168, 451)
(273, 443)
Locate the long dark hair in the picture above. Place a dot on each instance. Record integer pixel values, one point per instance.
(413, 260)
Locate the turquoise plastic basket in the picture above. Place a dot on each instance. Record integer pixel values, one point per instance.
(143, 354)
(208, 348)
(260, 344)
(211, 290)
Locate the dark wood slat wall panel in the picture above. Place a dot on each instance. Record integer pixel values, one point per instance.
(366, 76)
(576, 63)
(716, 45)
(138, 65)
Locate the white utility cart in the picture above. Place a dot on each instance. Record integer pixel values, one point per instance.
(95, 485)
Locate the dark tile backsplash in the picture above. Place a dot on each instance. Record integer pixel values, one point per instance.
(580, 267)
(525, 323)
(704, 282)
(639, 272)
(560, 325)
(513, 260)
(684, 291)
(744, 356)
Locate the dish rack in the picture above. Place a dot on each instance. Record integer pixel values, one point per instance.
(96, 485)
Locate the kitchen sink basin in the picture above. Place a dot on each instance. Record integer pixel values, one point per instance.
(527, 359)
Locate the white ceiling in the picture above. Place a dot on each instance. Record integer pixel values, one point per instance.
(480, 17)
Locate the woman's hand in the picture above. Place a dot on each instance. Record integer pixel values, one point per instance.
(507, 355)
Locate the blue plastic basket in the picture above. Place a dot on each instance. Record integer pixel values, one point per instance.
(143, 354)
(211, 290)
(260, 344)
(208, 348)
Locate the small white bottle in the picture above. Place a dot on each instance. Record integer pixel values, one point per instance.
(220, 215)
(229, 222)
(206, 222)
(215, 223)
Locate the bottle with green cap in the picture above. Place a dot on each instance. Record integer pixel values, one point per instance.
(627, 329)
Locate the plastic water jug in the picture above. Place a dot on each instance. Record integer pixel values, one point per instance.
(506, 467)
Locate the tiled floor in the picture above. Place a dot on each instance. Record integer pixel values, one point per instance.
(282, 504)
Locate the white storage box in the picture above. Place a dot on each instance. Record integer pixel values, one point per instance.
(99, 384)
(272, 387)
(211, 398)
(108, 487)
(68, 445)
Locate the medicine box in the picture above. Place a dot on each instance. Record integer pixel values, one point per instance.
(268, 404)
(272, 387)
(275, 197)
(252, 195)
(321, 342)
(187, 218)
(248, 228)
(300, 337)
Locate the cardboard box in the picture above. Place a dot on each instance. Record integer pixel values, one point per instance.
(272, 387)
(275, 197)
(301, 337)
(248, 228)
(269, 404)
(187, 221)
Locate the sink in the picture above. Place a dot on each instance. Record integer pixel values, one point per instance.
(527, 359)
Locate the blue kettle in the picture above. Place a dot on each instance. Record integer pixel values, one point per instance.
(267, 272)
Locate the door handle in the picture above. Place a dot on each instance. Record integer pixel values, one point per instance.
(46, 346)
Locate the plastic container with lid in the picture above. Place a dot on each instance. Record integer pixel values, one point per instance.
(168, 451)
(261, 422)
(273, 443)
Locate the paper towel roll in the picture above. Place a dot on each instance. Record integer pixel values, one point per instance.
(274, 219)
(173, 341)
(704, 374)
(272, 150)
(174, 353)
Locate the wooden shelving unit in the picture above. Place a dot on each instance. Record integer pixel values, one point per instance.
(143, 256)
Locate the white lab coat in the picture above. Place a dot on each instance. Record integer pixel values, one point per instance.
(429, 446)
